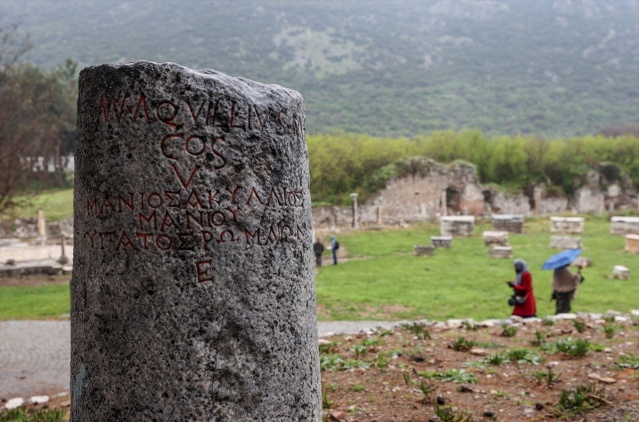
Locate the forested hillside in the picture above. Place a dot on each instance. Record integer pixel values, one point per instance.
(550, 68)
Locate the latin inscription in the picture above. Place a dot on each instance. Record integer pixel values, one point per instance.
(190, 218)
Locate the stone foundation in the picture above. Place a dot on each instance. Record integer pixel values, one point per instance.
(423, 250)
(457, 226)
(441, 241)
(565, 242)
(624, 225)
(495, 238)
(632, 243)
(620, 272)
(501, 252)
(567, 225)
(508, 222)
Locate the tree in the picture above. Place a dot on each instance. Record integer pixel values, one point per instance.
(37, 112)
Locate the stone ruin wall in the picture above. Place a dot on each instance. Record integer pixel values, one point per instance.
(416, 198)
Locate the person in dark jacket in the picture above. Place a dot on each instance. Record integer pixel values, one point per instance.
(334, 248)
(318, 249)
(523, 289)
(564, 288)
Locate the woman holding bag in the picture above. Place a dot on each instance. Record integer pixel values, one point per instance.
(524, 297)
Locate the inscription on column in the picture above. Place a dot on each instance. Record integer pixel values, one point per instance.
(185, 216)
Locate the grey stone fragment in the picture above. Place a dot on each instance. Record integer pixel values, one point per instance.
(193, 288)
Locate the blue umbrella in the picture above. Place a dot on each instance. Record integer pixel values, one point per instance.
(561, 259)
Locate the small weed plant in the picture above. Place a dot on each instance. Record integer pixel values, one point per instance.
(382, 362)
(580, 326)
(610, 330)
(462, 345)
(426, 389)
(359, 387)
(328, 347)
(446, 414)
(496, 359)
(326, 401)
(359, 349)
(509, 331)
(469, 325)
(628, 361)
(549, 377)
(548, 322)
(540, 338)
(581, 399)
(522, 356)
(418, 329)
(21, 414)
(575, 348)
(452, 375)
(337, 363)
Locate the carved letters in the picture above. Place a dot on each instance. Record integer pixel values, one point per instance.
(186, 217)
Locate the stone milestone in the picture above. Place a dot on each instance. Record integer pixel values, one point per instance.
(193, 292)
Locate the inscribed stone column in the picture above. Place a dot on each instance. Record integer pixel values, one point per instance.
(193, 292)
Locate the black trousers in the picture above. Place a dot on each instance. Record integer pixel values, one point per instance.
(563, 302)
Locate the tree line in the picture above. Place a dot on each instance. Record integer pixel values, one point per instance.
(342, 163)
(38, 114)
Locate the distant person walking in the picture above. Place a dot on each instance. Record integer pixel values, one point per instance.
(524, 297)
(318, 250)
(564, 288)
(334, 248)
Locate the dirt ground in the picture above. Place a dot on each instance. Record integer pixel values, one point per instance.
(413, 372)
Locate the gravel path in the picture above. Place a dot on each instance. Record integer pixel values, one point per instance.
(35, 355)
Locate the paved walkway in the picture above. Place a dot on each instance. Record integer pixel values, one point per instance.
(35, 355)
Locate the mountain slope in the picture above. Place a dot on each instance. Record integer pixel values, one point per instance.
(545, 67)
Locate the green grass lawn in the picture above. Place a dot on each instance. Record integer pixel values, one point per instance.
(56, 204)
(388, 281)
(49, 301)
(382, 279)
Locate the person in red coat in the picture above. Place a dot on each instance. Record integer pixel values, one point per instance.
(523, 289)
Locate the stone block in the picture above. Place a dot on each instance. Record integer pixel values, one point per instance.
(512, 223)
(624, 225)
(193, 289)
(620, 272)
(567, 225)
(497, 238)
(457, 226)
(632, 243)
(424, 250)
(501, 252)
(441, 241)
(565, 242)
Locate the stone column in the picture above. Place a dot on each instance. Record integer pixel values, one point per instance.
(444, 204)
(355, 222)
(42, 228)
(193, 293)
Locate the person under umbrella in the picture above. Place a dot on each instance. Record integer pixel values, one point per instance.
(564, 283)
(564, 288)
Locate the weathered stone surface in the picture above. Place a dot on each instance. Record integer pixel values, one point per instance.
(632, 243)
(499, 238)
(424, 250)
(508, 222)
(501, 252)
(193, 292)
(441, 241)
(568, 225)
(624, 225)
(565, 242)
(457, 226)
(620, 272)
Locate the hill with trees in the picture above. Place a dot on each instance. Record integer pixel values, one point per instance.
(550, 68)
